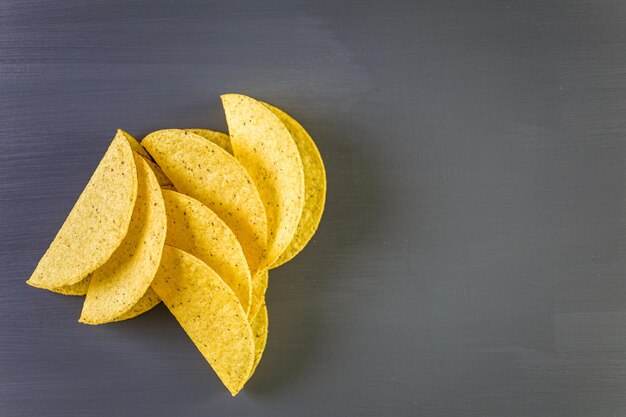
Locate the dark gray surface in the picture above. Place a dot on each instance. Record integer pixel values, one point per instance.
(471, 261)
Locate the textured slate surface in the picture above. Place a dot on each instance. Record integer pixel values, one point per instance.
(472, 256)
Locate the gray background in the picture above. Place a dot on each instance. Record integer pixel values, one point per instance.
(472, 258)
